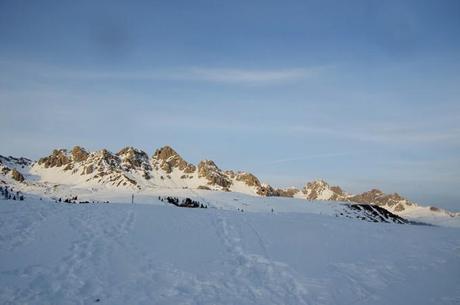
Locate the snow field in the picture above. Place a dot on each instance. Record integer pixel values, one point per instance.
(152, 254)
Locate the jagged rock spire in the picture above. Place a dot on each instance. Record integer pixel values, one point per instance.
(209, 170)
(167, 159)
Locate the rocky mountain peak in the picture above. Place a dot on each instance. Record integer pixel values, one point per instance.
(375, 196)
(321, 190)
(248, 178)
(209, 170)
(318, 182)
(58, 158)
(132, 158)
(107, 168)
(167, 159)
(267, 190)
(374, 192)
(368, 197)
(132, 167)
(104, 160)
(79, 154)
(62, 157)
(130, 152)
(164, 153)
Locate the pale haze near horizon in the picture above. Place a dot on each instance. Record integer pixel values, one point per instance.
(362, 94)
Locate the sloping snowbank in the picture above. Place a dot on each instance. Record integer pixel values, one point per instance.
(149, 254)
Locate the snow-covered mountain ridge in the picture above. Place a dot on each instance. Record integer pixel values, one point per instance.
(132, 170)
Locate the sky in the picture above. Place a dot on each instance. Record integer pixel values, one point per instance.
(363, 94)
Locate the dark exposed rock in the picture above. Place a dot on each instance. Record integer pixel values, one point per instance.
(88, 169)
(209, 170)
(249, 179)
(164, 153)
(57, 159)
(269, 191)
(316, 190)
(377, 197)
(375, 213)
(188, 169)
(79, 154)
(167, 159)
(338, 192)
(290, 192)
(146, 175)
(184, 203)
(132, 181)
(399, 207)
(105, 158)
(17, 175)
(367, 197)
(133, 158)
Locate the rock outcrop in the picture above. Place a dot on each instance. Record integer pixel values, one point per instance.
(266, 190)
(209, 170)
(377, 197)
(289, 192)
(132, 158)
(58, 158)
(373, 213)
(269, 191)
(101, 166)
(17, 175)
(248, 178)
(321, 190)
(79, 154)
(168, 159)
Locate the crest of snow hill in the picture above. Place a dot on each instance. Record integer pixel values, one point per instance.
(133, 169)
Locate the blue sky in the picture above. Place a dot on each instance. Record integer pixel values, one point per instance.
(360, 93)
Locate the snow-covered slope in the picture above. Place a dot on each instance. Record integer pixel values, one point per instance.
(53, 253)
(103, 174)
(253, 244)
(395, 203)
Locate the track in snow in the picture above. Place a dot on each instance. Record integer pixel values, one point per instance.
(141, 254)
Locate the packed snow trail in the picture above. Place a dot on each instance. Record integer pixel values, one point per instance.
(258, 277)
(149, 254)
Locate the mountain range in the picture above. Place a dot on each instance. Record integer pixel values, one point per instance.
(132, 170)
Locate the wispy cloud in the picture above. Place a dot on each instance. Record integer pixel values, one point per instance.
(398, 133)
(308, 157)
(230, 75)
(246, 76)
(200, 74)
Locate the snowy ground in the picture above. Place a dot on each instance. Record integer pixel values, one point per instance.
(152, 254)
